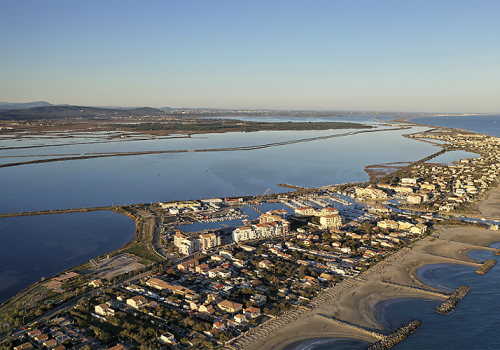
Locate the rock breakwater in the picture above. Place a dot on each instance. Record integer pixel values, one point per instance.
(488, 264)
(452, 301)
(397, 336)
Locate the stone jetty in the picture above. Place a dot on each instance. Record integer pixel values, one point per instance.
(370, 332)
(428, 291)
(488, 264)
(397, 336)
(452, 301)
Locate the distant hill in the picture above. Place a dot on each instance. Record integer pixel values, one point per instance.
(58, 112)
(9, 105)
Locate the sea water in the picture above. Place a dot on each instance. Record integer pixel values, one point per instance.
(165, 177)
(473, 324)
(483, 124)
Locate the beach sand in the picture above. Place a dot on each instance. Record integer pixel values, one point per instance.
(357, 304)
(490, 207)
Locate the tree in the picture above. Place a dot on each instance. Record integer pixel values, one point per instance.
(226, 336)
(302, 272)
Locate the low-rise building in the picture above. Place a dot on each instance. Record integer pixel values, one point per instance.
(167, 338)
(230, 306)
(258, 299)
(187, 264)
(49, 344)
(252, 312)
(96, 283)
(388, 224)
(104, 310)
(138, 301)
(265, 264)
(240, 319)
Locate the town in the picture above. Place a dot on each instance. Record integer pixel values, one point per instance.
(212, 288)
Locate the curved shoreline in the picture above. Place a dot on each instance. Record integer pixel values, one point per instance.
(21, 294)
(366, 302)
(358, 304)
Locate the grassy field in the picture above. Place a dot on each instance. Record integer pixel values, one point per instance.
(141, 250)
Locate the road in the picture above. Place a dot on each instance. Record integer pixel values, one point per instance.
(157, 239)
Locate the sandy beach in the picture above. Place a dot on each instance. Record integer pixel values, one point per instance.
(490, 207)
(394, 278)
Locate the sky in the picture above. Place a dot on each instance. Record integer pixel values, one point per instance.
(404, 55)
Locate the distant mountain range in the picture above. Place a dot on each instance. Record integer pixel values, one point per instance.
(8, 105)
(49, 111)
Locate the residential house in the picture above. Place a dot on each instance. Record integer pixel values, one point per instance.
(138, 301)
(49, 344)
(207, 309)
(251, 312)
(202, 268)
(34, 333)
(258, 299)
(41, 338)
(240, 319)
(103, 310)
(265, 264)
(96, 283)
(167, 338)
(230, 306)
(324, 277)
(186, 265)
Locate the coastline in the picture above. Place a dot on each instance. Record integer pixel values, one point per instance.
(490, 206)
(357, 305)
(27, 290)
(443, 247)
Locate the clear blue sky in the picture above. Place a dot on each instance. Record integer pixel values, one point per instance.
(439, 56)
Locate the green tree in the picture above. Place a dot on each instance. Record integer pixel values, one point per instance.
(302, 272)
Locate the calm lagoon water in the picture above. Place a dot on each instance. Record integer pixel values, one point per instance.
(161, 177)
(41, 246)
(195, 175)
(453, 156)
